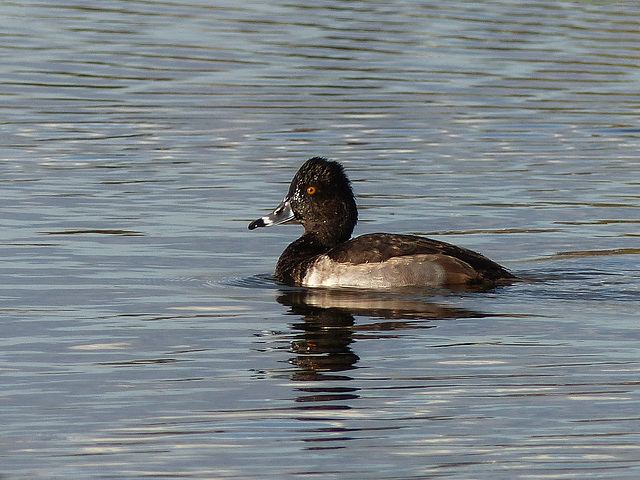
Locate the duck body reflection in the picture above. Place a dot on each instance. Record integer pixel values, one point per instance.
(329, 329)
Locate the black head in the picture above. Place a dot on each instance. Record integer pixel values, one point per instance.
(321, 199)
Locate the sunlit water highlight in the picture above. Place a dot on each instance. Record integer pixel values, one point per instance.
(142, 334)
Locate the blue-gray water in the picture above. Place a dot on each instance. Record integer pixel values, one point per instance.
(141, 335)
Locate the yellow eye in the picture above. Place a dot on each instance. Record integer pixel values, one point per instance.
(311, 190)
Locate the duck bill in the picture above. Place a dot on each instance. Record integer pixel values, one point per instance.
(282, 214)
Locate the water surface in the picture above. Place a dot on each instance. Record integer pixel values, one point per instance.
(141, 332)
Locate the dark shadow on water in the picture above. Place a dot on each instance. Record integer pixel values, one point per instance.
(325, 333)
(323, 343)
(331, 321)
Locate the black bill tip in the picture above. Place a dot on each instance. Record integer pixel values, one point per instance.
(256, 223)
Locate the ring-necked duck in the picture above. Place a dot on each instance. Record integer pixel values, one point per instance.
(321, 199)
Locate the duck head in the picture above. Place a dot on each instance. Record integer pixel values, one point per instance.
(321, 199)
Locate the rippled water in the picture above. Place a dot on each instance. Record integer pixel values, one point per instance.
(141, 332)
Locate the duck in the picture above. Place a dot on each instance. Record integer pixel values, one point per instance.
(321, 198)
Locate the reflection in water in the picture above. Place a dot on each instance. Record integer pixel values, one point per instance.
(324, 345)
(134, 140)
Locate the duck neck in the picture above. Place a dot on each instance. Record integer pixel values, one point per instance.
(300, 253)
